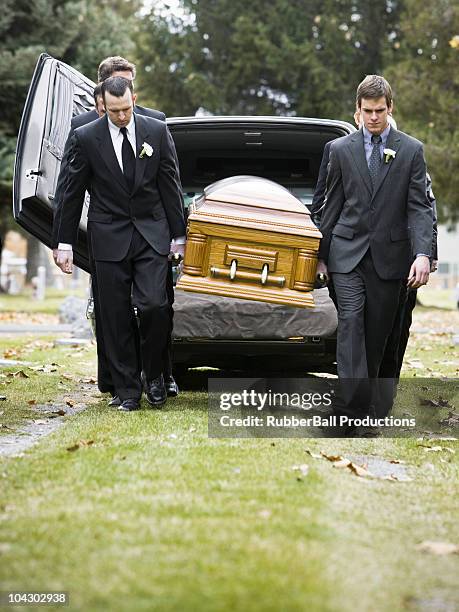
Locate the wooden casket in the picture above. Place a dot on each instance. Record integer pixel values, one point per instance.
(250, 238)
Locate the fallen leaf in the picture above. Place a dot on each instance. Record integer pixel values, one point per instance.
(79, 444)
(70, 403)
(397, 461)
(32, 402)
(313, 455)
(438, 548)
(331, 457)
(358, 470)
(55, 413)
(18, 374)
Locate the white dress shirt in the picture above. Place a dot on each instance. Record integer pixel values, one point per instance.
(117, 138)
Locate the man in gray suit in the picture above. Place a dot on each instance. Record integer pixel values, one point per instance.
(375, 216)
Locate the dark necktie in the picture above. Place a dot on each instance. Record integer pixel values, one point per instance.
(375, 159)
(127, 155)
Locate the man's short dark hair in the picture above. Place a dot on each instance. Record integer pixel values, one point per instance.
(374, 86)
(97, 92)
(113, 64)
(116, 86)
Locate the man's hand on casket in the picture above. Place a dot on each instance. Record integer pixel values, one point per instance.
(322, 272)
(64, 258)
(178, 248)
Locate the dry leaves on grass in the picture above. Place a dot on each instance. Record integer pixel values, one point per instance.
(90, 381)
(46, 368)
(11, 353)
(80, 444)
(438, 548)
(439, 403)
(362, 471)
(429, 448)
(18, 374)
(452, 420)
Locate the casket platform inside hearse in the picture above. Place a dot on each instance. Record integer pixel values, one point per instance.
(250, 238)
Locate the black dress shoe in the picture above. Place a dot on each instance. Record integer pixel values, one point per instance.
(128, 405)
(156, 391)
(115, 401)
(172, 389)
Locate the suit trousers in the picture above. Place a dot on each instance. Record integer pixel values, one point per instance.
(104, 377)
(367, 306)
(398, 339)
(139, 278)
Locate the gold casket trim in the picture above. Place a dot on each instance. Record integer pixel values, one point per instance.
(236, 255)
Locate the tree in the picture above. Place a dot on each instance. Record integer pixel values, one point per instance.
(426, 83)
(79, 33)
(294, 57)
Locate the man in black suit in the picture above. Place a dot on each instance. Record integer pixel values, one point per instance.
(127, 163)
(111, 66)
(375, 216)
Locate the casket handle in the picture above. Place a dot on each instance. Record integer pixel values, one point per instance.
(233, 269)
(241, 275)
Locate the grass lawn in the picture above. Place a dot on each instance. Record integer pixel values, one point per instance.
(24, 302)
(149, 513)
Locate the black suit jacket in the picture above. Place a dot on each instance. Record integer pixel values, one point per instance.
(318, 198)
(153, 207)
(76, 122)
(394, 220)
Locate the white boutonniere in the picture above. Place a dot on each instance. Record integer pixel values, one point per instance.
(388, 155)
(146, 150)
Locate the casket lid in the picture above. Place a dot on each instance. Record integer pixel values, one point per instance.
(254, 191)
(253, 202)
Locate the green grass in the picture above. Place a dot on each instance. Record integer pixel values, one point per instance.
(431, 351)
(149, 513)
(22, 385)
(154, 515)
(24, 302)
(437, 298)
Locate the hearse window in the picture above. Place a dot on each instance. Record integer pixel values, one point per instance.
(69, 99)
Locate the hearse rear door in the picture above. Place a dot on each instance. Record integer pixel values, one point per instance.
(56, 93)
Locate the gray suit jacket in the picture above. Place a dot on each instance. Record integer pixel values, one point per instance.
(394, 220)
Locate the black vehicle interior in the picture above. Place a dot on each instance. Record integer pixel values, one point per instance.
(287, 154)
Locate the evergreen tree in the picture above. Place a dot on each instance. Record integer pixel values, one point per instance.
(79, 33)
(426, 85)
